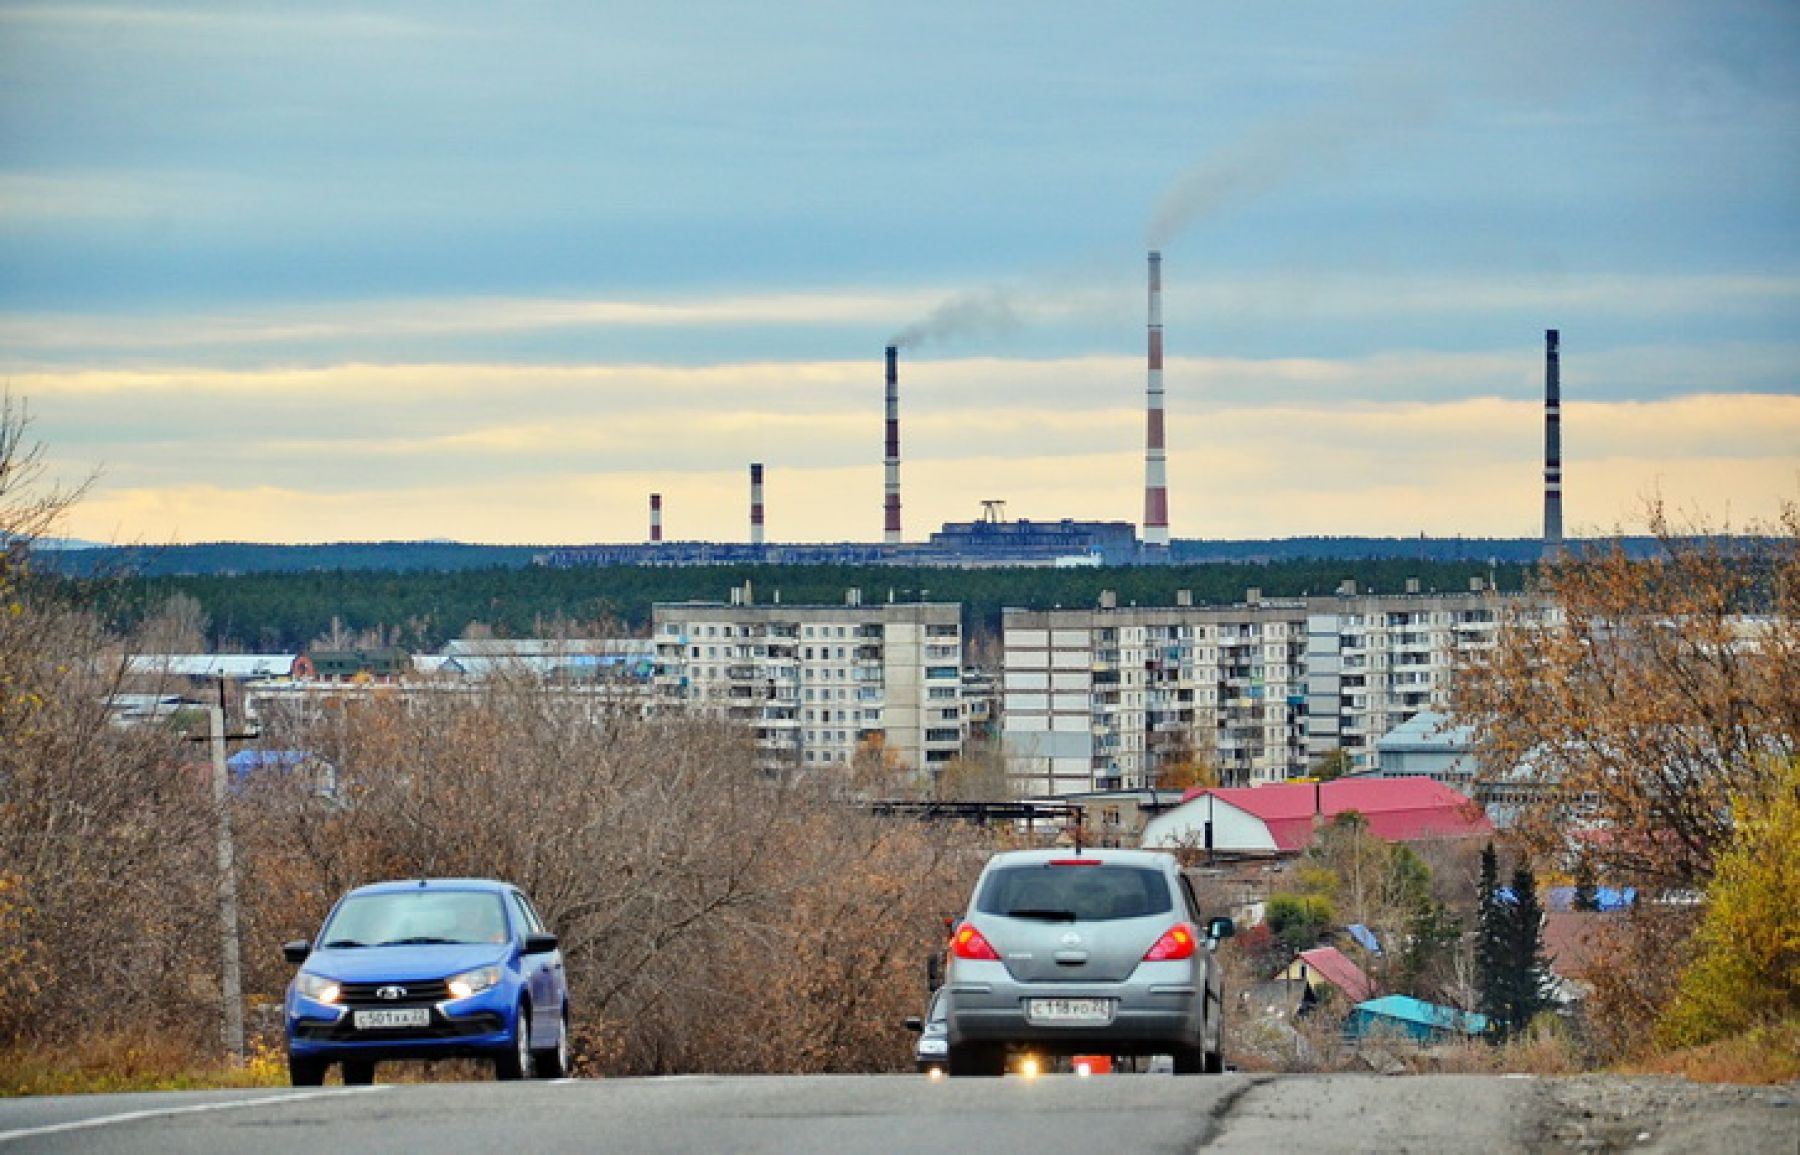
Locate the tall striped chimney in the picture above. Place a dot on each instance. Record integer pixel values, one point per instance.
(1156, 477)
(1553, 520)
(756, 504)
(891, 527)
(656, 517)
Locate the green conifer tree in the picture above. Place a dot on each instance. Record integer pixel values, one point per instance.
(1527, 982)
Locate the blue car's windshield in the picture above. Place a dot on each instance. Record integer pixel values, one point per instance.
(416, 917)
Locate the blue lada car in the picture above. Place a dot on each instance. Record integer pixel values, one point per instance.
(428, 969)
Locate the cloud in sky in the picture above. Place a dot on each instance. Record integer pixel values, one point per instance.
(452, 269)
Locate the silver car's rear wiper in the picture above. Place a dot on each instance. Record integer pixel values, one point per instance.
(343, 944)
(1045, 915)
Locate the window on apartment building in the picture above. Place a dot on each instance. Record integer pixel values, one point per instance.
(943, 692)
(950, 715)
(942, 735)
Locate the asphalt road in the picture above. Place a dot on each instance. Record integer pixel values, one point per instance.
(853, 1115)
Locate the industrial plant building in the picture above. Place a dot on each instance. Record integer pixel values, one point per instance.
(1111, 697)
(819, 683)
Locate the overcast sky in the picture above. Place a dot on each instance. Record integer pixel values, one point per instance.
(497, 272)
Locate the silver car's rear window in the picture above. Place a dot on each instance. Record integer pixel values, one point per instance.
(1058, 893)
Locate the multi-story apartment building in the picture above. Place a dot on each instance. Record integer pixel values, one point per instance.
(1111, 697)
(820, 682)
(1374, 661)
(1107, 698)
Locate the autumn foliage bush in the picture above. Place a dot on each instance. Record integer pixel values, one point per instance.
(1655, 717)
(713, 918)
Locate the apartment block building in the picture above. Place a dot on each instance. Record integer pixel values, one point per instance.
(1106, 698)
(819, 682)
(1374, 661)
(1111, 697)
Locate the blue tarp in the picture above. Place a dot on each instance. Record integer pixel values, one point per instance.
(1365, 938)
(1605, 897)
(249, 761)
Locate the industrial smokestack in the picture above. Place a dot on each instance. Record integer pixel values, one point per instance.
(655, 517)
(891, 533)
(1553, 521)
(1156, 478)
(756, 504)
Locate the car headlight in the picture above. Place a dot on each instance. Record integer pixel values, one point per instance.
(473, 982)
(317, 987)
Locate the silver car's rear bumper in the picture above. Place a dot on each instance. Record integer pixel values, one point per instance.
(1145, 1020)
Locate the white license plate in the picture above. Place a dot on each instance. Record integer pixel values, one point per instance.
(1080, 1012)
(410, 1017)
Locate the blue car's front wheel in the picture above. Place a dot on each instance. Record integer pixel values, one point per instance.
(553, 1062)
(516, 1063)
(303, 1072)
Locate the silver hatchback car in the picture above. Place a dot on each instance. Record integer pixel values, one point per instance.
(1098, 951)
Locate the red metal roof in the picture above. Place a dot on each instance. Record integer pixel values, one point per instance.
(1397, 809)
(1332, 965)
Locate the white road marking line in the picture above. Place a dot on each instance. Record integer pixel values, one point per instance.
(160, 1112)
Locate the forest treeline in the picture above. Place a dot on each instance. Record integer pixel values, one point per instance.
(239, 557)
(421, 610)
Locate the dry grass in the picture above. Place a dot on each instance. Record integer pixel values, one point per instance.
(111, 1063)
(1763, 1055)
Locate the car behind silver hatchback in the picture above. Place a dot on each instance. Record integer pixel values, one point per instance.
(1094, 951)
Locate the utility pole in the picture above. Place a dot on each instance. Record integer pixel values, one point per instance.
(230, 969)
(231, 973)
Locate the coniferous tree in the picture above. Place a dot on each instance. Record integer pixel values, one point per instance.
(1587, 891)
(1490, 939)
(1528, 981)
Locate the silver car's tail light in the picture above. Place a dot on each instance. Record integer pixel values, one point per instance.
(968, 943)
(1178, 942)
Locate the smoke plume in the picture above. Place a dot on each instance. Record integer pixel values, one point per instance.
(1277, 152)
(984, 313)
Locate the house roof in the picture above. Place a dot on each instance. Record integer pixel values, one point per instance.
(1425, 1014)
(1335, 967)
(1573, 941)
(1397, 809)
(214, 665)
(1428, 731)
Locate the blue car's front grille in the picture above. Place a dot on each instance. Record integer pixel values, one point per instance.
(384, 994)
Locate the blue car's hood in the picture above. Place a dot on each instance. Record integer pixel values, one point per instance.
(404, 963)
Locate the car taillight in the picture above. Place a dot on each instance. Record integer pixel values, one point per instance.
(969, 944)
(1176, 943)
